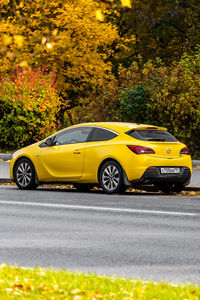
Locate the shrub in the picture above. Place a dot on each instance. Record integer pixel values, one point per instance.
(133, 104)
(172, 100)
(28, 107)
(100, 105)
(175, 103)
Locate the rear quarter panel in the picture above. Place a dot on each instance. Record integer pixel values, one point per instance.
(97, 152)
(134, 165)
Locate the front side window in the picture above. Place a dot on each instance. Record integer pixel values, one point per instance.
(72, 136)
(101, 134)
(152, 135)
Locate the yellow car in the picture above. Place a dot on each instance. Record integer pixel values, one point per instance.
(113, 155)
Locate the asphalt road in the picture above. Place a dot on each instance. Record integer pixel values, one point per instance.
(149, 236)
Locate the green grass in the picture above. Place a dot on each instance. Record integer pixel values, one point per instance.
(39, 283)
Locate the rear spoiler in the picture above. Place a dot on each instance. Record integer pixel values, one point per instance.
(149, 128)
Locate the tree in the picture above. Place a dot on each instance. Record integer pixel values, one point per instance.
(63, 36)
(165, 29)
(170, 94)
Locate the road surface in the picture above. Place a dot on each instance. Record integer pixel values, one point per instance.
(149, 236)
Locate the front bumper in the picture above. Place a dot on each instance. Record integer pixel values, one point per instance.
(154, 175)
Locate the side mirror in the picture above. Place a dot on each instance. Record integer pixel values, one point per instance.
(49, 142)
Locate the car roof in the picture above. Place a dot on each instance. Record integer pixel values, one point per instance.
(121, 126)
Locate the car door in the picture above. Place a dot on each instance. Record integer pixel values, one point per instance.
(63, 161)
(99, 146)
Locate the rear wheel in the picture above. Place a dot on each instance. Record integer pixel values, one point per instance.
(83, 187)
(24, 174)
(111, 178)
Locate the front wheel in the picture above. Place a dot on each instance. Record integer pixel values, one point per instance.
(24, 174)
(111, 178)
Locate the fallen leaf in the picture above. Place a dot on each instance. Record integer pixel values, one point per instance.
(75, 291)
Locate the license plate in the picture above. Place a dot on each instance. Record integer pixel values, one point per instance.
(170, 170)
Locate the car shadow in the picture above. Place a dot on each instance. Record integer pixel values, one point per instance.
(70, 189)
(98, 191)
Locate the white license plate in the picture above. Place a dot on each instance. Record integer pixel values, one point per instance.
(170, 170)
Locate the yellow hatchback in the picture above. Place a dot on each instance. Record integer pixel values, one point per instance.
(112, 155)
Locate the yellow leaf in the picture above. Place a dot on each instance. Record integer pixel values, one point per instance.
(19, 40)
(55, 32)
(43, 40)
(192, 297)
(99, 15)
(192, 193)
(49, 45)
(75, 291)
(23, 64)
(21, 4)
(78, 297)
(7, 39)
(4, 2)
(126, 3)
(10, 55)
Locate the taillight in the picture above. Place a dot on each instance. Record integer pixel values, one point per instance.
(140, 149)
(185, 150)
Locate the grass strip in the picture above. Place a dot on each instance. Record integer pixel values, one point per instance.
(39, 283)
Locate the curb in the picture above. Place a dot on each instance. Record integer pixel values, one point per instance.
(195, 189)
(195, 163)
(5, 156)
(5, 180)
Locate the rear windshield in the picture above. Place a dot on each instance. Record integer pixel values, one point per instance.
(152, 135)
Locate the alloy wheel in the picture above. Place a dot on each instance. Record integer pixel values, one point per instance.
(24, 174)
(111, 177)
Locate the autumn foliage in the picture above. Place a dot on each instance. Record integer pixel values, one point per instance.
(113, 60)
(28, 107)
(64, 36)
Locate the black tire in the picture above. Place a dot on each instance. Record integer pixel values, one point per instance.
(83, 187)
(24, 174)
(111, 178)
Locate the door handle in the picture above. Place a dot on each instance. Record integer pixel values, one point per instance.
(77, 151)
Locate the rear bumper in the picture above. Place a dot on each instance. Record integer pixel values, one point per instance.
(154, 175)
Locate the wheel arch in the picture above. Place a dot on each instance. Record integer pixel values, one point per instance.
(21, 157)
(125, 178)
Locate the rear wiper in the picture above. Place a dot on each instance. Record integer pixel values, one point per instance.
(157, 140)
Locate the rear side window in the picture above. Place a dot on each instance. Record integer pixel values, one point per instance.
(100, 134)
(152, 135)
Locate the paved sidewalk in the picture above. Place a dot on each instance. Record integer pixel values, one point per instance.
(195, 180)
(4, 171)
(5, 175)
